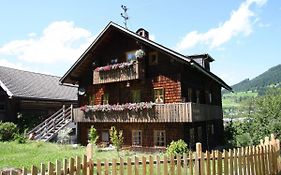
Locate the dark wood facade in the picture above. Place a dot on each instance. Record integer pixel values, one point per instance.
(7, 107)
(10, 108)
(30, 96)
(190, 99)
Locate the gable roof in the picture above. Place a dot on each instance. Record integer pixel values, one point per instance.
(184, 59)
(30, 85)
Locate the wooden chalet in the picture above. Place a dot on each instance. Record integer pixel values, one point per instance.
(152, 93)
(32, 94)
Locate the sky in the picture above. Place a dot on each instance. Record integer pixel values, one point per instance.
(243, 36)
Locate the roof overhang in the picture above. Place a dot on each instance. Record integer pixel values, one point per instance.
(4, 87)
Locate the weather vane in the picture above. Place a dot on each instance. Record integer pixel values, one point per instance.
(125, 15)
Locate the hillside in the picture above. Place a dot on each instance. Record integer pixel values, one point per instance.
(271, 77)
(237, 104)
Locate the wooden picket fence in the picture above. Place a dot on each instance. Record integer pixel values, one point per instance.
(262, 159)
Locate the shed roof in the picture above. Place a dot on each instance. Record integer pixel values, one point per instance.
(31, 85)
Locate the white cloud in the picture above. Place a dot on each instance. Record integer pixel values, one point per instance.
(240, 22)
(60, 42)
(4, 62)
(152, 37)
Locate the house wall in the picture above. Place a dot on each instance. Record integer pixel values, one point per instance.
(174, 131)
(196, 81)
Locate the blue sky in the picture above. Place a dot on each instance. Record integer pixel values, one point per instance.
(243, 36)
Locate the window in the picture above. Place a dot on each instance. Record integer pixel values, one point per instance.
(105, 99)
(153, 58)
(199, 133)
(210, 98)
(136, 137)
(131, 55)
(189, 95)
(191, 137)
(211, 129)
(114, 61)
(136, 96)
(2, 107)
(197, 96)
(159, 138)
(104, 136)
(91, 99)
(159, 95)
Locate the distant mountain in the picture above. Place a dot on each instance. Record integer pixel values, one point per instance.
(271, 77)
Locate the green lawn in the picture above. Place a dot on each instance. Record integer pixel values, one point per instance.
(17, 155)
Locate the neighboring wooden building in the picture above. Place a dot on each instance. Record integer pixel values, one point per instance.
(32, 94)
(123, 67)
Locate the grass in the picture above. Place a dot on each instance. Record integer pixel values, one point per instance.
(33, 153)
(234, 99)
(17, 155)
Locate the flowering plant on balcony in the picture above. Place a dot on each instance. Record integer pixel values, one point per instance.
(115, 66)
(139, 53)
(137, 107)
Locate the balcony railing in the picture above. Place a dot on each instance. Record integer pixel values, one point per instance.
(172, 112)
(118, 72)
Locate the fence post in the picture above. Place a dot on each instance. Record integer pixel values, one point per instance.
(84, 165)
(199, 154)
(278, 155)
(89, 150)
(58, 167)
(34, 170)
(266, 141)
(50, 168)
(24, 171)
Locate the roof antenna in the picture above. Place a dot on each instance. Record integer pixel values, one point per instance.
(125, 15)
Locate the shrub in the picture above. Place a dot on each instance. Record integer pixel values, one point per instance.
(116, 137)
(244, 140)
(177, 147)
(93, 135)
(20, 138)
(7, 131)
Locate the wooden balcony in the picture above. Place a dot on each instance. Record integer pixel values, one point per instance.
(132, 72)
(172, 112)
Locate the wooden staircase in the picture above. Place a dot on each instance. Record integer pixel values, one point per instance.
(49, 128)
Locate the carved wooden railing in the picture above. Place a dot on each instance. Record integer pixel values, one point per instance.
(171, 112)
(131, 72)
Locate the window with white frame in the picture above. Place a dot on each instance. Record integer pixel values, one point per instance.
(159, 138)
(159, 96)
(105, 136)
(136, 137)
(131, 55)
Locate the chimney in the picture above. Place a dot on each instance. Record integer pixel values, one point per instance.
(143, 33)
